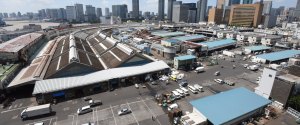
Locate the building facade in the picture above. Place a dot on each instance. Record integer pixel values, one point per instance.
(71, 13)
(79, 12)
(99, 12)
(247, 1)
(180, 13)
(161, 10)
(135, 9)
(170, 9)
(201, 10)
(90, 12)
(120, 11)
(248, 15)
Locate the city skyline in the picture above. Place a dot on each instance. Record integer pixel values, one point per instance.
(20, 5)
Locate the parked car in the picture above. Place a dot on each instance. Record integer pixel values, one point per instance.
(39, 123)
(87, 98)
(89, 123)
(229, 83)
(198, 87)
(217, 73)
(192, 89)
(94, 103)
(124, 111)
(153, 83)
(84, 110)
(183, 83)
(220, 81)
(246, 65)
(173, 106)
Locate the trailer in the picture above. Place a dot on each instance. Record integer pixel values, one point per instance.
(36, 111)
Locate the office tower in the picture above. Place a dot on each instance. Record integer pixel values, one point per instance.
(62, 13)
(233, 2)
(170, 9)
(107, 12)
(180, 12)
(99, 12)
(220, 4)
(19, 14)
(281, 10)
(248, 15)
(247, 1)
(270, 19)
(267, 7)
(48, 13)
(42, 14)
(297, 10)
(135, 9)
(161, 9)
(1, 15)
(5, 15)
(79, 12)
(71, 13)
(201, 10)
(120, 11)
(147, 15)
(90, 13)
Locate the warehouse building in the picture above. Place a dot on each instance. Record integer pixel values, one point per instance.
(217, 45)
(231, 107)
(20, 48)
(167, 34)
(275, 56)
(185, 62)
(254, 49)
(191, 38)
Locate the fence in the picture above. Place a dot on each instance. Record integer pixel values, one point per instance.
(293, 112)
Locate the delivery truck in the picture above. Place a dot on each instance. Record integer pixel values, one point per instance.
(36, 111)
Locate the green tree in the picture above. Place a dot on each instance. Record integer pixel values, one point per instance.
(294, 102)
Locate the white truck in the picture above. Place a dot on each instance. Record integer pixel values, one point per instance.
(199, 69)
(253, 67)
(36, 111)
(228, 53)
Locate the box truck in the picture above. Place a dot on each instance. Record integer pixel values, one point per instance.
(36, 111)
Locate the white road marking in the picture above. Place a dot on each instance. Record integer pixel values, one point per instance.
(72, 118)
(132, 113)
(50, 122)
(113, 114)
(153, 114)
(13, 109)
(16, 106)
(97, 115)
(10, 107)
(20, 104)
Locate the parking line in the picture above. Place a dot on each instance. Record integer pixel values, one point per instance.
(132, 113)
(50, 121)
(72, 118)
(97, 115)
(13, 109)
(113, 114)
(151, 112)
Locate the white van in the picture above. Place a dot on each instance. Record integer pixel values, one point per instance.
(176, 94)
(186, 92)
(192, 89)
(180, 92)
(198, 87)
(199, 69)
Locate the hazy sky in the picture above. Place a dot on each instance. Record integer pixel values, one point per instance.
(145, 5)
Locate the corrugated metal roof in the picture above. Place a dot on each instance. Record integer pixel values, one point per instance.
(186, 57)
(257, 48)
(229, 105)
(191, 37)
(280, 55)
(20, 42)
(216, 44)
(53, 85)
(168, 34)
(172, 40)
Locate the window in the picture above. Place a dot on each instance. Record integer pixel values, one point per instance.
(270, 75)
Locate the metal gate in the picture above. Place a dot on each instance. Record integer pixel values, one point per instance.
(293, 112)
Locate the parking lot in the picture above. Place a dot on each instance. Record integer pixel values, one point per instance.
(140, 101)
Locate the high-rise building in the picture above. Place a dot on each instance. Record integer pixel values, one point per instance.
(180, 12)
(297, 10)
(281, 10)
(201, 10)
(71, 13)
(5, 15)
(79, 12)
(270, 19)
(99, 12)
(170, 9)
(248, 15)
(147, 15)
(53, 14)
(107, 14)
(247, 1)
(161, 10)
(90, 13)
(135, 9)
(42, 14)
(120, 11)
(1, 15)
(215, 15)
(19, 14)
(61, 13)
(267, 7)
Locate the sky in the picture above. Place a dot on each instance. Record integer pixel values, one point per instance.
(145, 5)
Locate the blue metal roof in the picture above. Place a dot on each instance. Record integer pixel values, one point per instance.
(216, 44)
(187, 38)
(186, 57)
(172, 40)
(228, 105)
(280, 55)
(257, 48)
